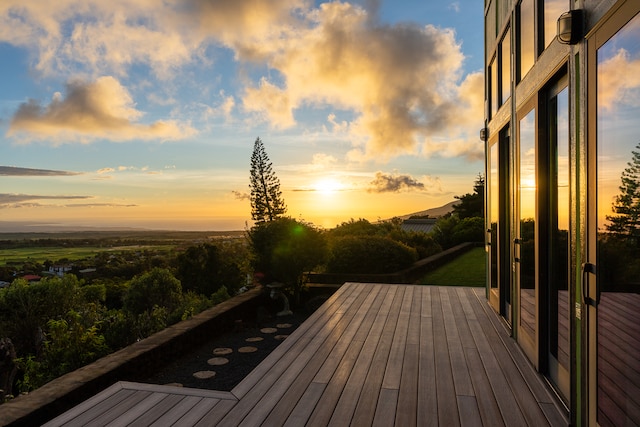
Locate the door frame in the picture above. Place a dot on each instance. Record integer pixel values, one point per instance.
(614, 20)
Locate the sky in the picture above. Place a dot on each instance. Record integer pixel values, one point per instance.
(144, 113)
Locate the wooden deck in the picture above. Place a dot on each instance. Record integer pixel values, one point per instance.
(373, 354)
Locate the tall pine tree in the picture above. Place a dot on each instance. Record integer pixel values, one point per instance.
(266, 197)
(626, 222)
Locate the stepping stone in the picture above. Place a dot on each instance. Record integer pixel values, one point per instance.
(247, 349)
(284, 325)
(269, 330)
(204, 375)
(222, 351)
(281, 337)
(254, 339)
(218, 361)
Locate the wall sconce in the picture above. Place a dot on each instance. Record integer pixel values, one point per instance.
(570, 26)
(484, 134)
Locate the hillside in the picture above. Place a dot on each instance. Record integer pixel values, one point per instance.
(433, 212)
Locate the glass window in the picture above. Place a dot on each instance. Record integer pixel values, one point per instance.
(493, 212)
(552, 11)
(505, 59)
(526, 37)
(490, 30)
(618, 231)
(526, 233)
(558, 250)
(493, 88)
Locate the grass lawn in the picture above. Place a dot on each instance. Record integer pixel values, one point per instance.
(466, 270)
(42, 254)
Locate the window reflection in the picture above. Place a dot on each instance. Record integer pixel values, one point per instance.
(505, 58)
(493, 213)
(552, 11)
(618, 262)
(527, 205)
(526, 37)
(493, 90)
(559, 225)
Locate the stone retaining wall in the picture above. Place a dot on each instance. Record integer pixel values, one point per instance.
(128, 364)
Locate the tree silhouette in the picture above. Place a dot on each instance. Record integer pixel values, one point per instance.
(266, 197)
(626, 206)
(472, 205)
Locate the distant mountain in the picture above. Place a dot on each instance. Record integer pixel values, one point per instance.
(434, 212)
(41, 227)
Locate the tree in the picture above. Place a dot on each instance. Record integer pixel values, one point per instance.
(472, 205)
(626, 222)
(157, 287)
(369, 254)
(283, 249)
(266, 197)
(206, 268)
(25, 308)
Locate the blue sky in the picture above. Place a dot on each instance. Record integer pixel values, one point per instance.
(144, 114)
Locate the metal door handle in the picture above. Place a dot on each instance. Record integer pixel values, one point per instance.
(588, 268)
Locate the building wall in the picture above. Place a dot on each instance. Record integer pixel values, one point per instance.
(540, 235)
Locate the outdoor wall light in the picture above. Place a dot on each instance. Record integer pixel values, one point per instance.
(570, 26)
(484, 134)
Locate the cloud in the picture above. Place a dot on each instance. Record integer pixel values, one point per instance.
(240, 195)
(17, 171)
(99, 37)
(90, 110)
(105, 170)
(391, 183)
(402, 81)
(619, 80)
(322, 161)
(100, 205)
(20, 201)
(7, 199)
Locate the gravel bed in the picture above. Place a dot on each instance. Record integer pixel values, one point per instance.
(247, 350)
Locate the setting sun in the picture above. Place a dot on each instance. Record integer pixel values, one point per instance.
(327, 186)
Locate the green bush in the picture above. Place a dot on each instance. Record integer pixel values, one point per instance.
(469, 230)
(450, 230)
(25, 308)
(369, 254)
(424, 244)
(360, 227)
(206, 268)
(95, 293)
(157, 288)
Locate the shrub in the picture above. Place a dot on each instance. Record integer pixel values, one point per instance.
(369, 254)
(469, 230)
(157, 288)
(361, 227)
(206, 268)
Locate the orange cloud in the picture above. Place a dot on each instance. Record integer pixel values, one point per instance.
(99, 109)
(401, 81)
(618, 80)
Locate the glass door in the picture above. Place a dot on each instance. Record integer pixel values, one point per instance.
(525, 247)
(497, 223)
(612, 274)
(556, 296)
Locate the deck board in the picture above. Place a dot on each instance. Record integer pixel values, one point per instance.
(373, 354)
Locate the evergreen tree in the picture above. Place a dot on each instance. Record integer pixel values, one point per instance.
(266, 197)
(626, 206)
(472, 205)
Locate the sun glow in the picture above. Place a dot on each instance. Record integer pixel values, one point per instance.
(327, 186)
